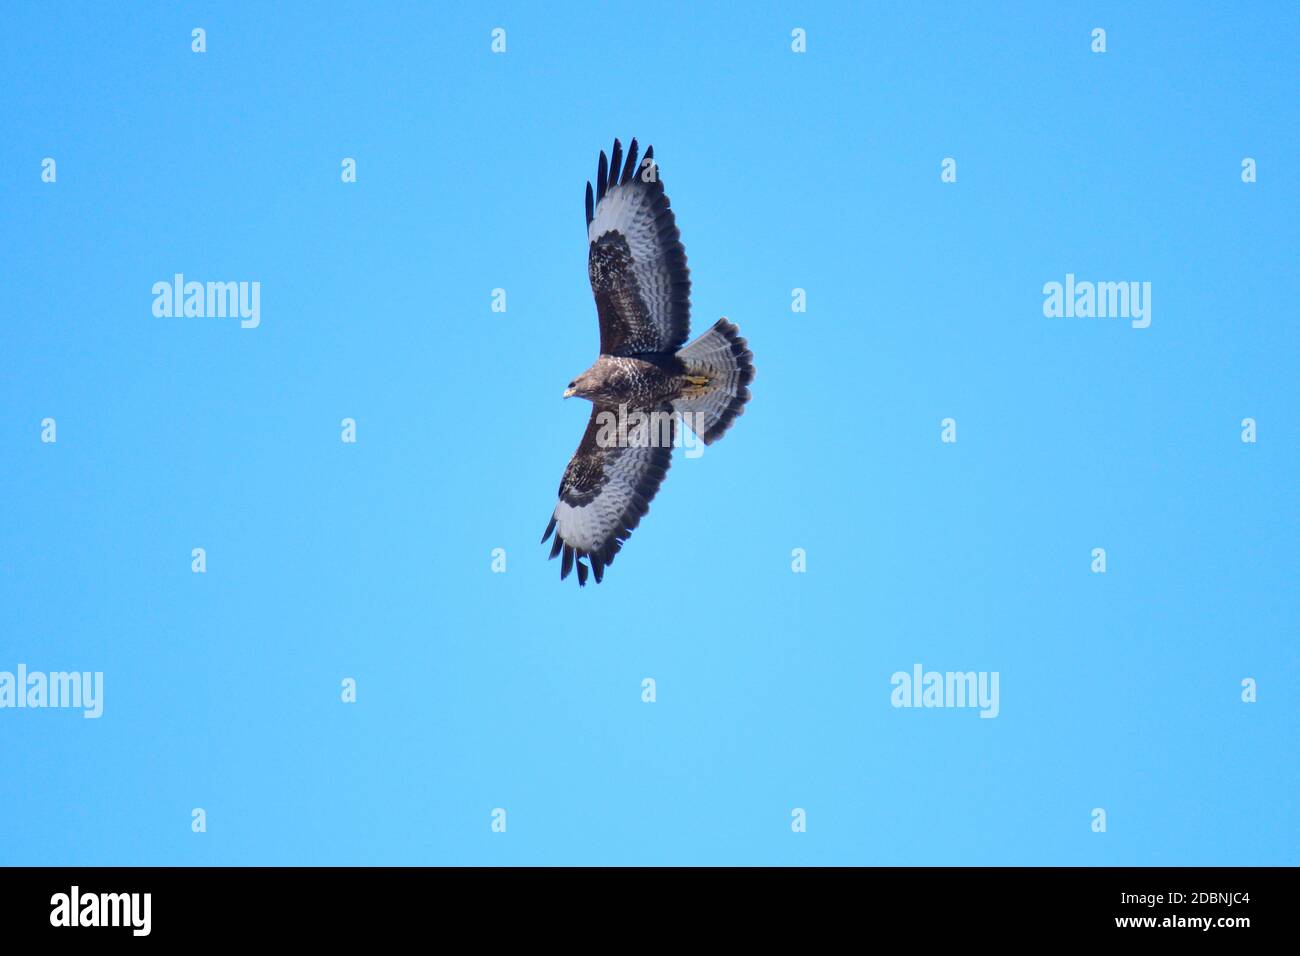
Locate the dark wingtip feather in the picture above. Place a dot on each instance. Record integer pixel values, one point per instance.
(597, 566)
(615, 163)
(591, 205)
(549, 528)
(602, 173)
(582, 574)
(555, 548)
(566, 565)
(629, 167)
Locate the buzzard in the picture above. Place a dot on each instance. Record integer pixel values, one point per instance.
(644, 385)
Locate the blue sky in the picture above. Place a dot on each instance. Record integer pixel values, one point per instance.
(373, 561)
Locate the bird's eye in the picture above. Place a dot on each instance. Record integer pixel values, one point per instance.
(572, 385)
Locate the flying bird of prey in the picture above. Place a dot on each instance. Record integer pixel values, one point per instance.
(644, 384)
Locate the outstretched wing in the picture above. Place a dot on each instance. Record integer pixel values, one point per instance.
(608, 487)
(636, 260)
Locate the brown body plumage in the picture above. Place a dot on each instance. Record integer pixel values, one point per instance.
(639, 381)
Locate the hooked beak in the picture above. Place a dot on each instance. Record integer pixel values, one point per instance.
(570, 392)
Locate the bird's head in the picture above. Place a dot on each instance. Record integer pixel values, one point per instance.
(581, 387)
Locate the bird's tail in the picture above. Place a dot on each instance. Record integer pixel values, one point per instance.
(719, 366)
